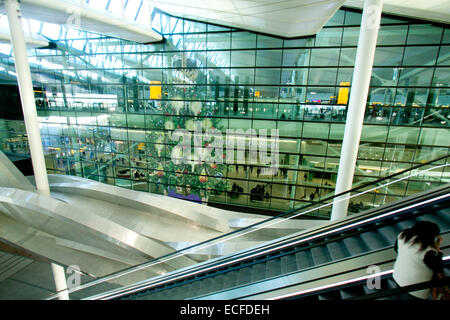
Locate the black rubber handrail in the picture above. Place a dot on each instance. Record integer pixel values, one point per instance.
(400, 290)
(322, 201)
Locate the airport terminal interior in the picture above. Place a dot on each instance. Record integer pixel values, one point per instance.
(108, 109)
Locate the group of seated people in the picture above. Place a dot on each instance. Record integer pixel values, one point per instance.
(127, 173)
(235, 190)
(258, 193)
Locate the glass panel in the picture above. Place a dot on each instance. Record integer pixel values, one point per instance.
(324, 57)
(344, 75)
(267, 76)
(195, 41)
(415, 77)
(388, 56)
(336, 133)
(322, 76)
(424, 34)
(315, 130)
(372, 133)
(337, 19)
(219, 40)
(347, 57)
(444, 56)
(218, 59)
(403, 135)
(392, 35)
(243, 39)
(194, 26)
(446, 37)
(319, 95)
(268, 58)
(243, 58)
(384, 76)
(431, 136)
(296, 57)
(328, 37)
(304, 42)
(350, 36)
(269, 42)
(420, 56)
(352, 18)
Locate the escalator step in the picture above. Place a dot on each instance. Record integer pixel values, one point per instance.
(231, 279)
(384, 240)
(351, 292)
(245, 275)
(390, 284)
(172, 294)
(154, 296)
(444, 216)
(338, 250)
(374, 240)
(406, 224)
(195, 288)
(209, 285)
(320, 255)
(219, 281)
(355, 245)
(259, 271)
(330, 295)
(390, 232)
(309, 298)
(387, 284)
(369, 291)
(273, 268)
(288, 263)
(304, 259)
(441, 218)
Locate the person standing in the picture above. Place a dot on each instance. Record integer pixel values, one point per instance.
(418, 258)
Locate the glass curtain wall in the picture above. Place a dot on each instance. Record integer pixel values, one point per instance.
(108, 109)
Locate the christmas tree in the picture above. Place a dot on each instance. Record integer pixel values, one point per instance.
(189, 177)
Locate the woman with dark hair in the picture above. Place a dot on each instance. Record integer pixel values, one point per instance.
(418, 257)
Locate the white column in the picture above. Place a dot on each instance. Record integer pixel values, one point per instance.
(30, 117)
(357, 104)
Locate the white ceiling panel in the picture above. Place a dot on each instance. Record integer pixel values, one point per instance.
(62, 12)
(432, 10)
(288, 18)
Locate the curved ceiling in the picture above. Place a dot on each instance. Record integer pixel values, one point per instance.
(286, 18)
(434, 10)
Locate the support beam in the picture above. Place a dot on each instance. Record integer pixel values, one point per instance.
(30, 117)
(360, 87)
(81, 17)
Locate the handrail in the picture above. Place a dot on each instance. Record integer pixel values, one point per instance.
(396, 291)
(176, 254)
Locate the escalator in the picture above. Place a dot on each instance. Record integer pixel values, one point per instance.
(359, 290)
(307, 265)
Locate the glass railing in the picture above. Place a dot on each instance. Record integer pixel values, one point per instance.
(250, 235)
